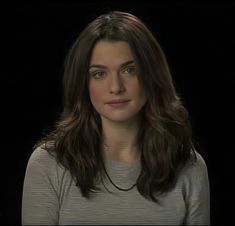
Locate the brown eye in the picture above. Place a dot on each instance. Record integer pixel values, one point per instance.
(129, 70)
(97, 74)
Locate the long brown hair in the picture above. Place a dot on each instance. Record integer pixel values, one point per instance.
(166, 135)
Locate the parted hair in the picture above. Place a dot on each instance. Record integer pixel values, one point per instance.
(165, 138)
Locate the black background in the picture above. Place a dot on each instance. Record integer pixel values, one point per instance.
(198, 39)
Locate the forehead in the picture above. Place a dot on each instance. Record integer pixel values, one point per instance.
(106, 52)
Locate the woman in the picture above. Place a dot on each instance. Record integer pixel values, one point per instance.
(122, 150)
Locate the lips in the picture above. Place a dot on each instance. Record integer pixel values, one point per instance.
(117, 101)
(117, 104)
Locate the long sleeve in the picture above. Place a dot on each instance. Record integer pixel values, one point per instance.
(40, 204)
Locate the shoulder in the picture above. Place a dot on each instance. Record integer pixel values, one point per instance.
(43, 167)
(197, 166)
(194, 174)
(41, 156)
(43, 160)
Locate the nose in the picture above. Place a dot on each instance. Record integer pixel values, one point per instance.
(116, 84)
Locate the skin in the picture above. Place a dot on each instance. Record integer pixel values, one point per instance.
(113, 76)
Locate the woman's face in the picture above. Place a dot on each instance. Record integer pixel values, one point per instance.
(114, 87)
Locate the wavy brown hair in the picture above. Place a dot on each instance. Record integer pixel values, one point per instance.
(166, 135)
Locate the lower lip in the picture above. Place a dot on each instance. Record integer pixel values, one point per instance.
(118, 105)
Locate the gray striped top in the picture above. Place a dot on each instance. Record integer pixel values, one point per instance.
(50, 197)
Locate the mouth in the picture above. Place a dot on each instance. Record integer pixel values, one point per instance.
(117, 103)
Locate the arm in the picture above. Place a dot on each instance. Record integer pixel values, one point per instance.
(40, 204)
(198, 195)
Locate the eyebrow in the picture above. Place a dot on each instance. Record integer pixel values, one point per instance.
(104, 67)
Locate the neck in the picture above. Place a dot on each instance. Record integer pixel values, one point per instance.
(120, 140)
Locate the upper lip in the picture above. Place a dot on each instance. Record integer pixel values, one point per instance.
(116, 101)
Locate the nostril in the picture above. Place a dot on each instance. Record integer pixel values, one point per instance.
(116, 86)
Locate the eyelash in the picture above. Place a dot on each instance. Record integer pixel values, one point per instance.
(129, 70)
(95, 73)
(132, 70)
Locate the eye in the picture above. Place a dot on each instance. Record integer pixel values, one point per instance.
(97, 74)
(129, 70)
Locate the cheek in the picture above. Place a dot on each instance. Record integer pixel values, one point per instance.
(137, 90)
(95, 93)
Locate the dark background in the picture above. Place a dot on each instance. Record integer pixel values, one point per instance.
(198, 39)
